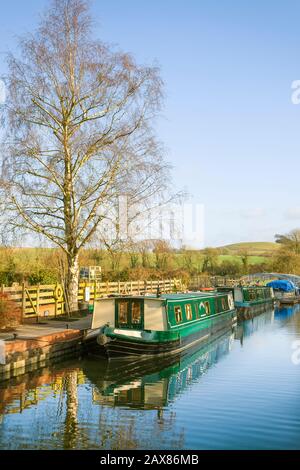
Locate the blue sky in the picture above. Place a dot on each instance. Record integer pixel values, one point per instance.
(230, 128)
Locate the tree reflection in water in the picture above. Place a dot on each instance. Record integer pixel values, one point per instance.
(118, 430)
(70, 384)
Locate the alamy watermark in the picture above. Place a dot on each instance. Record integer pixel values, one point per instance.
(296, 354)
(176, 223)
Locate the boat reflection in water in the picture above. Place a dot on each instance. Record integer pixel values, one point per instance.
(285, 313)
(142, 383)
(282, 315)
(150, 384)
(249, 327)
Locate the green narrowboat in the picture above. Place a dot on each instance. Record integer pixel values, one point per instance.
(248, 296)
(250, 300)
(138, 326)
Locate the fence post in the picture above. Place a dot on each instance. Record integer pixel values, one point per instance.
(56, 303)
(37, 303)
(95, 290)
(23, 300)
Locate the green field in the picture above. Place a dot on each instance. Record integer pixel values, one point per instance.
(254, 249)
(252, 259)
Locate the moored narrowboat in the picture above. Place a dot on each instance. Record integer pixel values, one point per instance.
(249, 300)
(161, 325)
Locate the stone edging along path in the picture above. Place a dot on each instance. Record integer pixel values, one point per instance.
(21, 355)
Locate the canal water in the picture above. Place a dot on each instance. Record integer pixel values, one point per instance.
(240, 391)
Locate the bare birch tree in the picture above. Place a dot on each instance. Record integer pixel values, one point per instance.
(78, 118)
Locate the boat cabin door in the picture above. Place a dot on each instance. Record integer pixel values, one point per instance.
(129, 313)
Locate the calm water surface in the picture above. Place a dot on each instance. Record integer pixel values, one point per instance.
(241, 391)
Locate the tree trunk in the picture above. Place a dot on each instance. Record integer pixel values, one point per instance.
(72, 283)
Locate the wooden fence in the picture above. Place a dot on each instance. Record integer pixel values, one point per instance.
(49, 300)
(199, 282)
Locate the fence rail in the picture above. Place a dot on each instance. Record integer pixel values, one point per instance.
(199, 282)
(49, 300)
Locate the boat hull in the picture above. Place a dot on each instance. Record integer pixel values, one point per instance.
(246, 310)
(125, 346)
(253, 304)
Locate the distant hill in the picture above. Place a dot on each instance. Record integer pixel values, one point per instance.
(253, 248)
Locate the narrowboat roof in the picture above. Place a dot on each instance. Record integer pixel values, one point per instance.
(189, 295)
(171, 297)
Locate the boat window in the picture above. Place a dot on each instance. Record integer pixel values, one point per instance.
(225, 305)
(202, 309)
(123, 312)
(266, 293)
(178, 314)
(136, 312)
(252, 294)
(218, 305)
(207, 307)
(188, 312)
